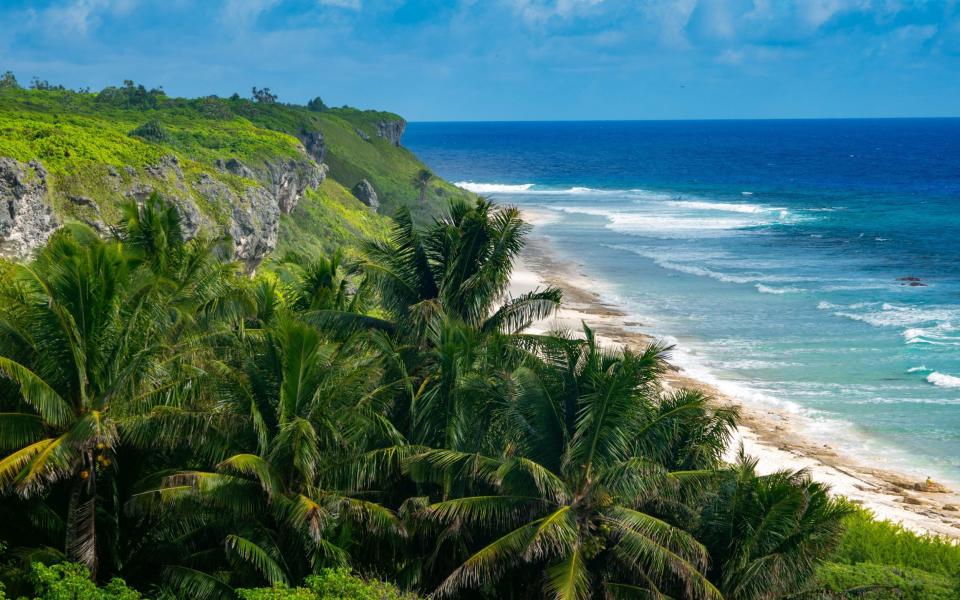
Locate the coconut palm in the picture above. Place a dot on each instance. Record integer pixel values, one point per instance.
(562, 505)
(310, 404)
(84, 339)
(767, 533)
(460, 267)
(421, 182)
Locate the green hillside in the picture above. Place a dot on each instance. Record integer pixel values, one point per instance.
(228, 164)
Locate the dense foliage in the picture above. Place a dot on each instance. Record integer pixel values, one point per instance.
(101, 145)
(201, 434)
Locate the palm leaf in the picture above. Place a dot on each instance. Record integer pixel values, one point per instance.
(37, 393)
(568, 579)
(257, 557)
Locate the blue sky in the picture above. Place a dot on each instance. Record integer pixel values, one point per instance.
(512, 59)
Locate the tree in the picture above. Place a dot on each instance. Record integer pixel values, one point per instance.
(459, 267)
(8, 81)
(767, 533)
(263, 95)
(96, 341)
(308, 403)
(562, 506)
(421, 182)
(316, 105)
(42, 84)
(83, 337)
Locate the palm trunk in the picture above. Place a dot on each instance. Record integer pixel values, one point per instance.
(81, 538)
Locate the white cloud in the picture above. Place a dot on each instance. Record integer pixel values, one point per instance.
(242, 13)
(80, 16)
(353, 4)
(542, 10)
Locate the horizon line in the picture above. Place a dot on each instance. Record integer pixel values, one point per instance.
(691, 120)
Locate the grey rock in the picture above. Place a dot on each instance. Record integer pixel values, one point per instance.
(391, 130)
(191, 219)
(292, 178)
(130, 170)
(139, 192)
(365, 193)
(314, 144)
(112, 171)
(253, 226)
(237, 168)
(81, 200)
(26, 218)
(363, 134)
(168, 170)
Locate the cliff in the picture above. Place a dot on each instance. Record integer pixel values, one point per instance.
(272, 177)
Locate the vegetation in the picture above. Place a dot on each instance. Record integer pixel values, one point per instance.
(370, 406)
(330, 584)
(98, 145)
(201, 434)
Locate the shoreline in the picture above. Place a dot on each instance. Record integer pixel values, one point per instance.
(764, 431)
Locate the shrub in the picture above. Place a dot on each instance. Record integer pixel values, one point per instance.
(8, 80)
(330, 584)
(70, 581)
(151, 131)
(316, 105)
(882, 542)
(264, 95)
(131, 95)
(876, 582)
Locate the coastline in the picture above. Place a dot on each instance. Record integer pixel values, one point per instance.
(769, 434)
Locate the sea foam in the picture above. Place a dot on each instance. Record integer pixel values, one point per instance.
(722, 206)
(945, 381)
(493, 188)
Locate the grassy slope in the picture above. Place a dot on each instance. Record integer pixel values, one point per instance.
(81, 137)
(389, 168)
(882, 560)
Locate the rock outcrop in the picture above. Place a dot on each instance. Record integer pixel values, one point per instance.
(391, 130)
(365, 193)
(291, 179)
(314, 144)
(255, 214)
(26, 217)
(253, 226)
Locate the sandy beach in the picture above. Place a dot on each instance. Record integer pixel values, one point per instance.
(771, 435)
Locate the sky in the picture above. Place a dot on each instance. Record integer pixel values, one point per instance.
(511, 59)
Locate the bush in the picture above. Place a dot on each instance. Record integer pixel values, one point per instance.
(131, 95)
(330, 584)
(316, 105)
(70, 581)
(880, 582)
(151, 131)
(8, 80)
(866, 540)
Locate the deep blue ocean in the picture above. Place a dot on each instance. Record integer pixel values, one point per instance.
(812, 265)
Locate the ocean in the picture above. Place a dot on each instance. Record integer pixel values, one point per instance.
(809, 265)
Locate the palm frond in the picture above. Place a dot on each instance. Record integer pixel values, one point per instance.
(254, 555)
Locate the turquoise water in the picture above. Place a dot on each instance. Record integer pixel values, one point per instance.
(808, 265)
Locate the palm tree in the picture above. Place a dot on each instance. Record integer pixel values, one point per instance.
(310, 405)
(563, 503)
(84, 339)
(98, 345)
(459, 267)
(767, 533)
(444, 291)
(421, 182)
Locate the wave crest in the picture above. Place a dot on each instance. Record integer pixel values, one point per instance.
(493, 188)
(945, 381)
